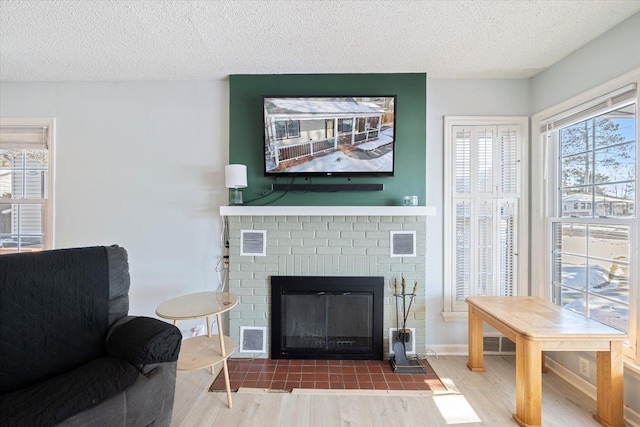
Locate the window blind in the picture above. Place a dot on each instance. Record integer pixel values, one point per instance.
(24, 137)
(602, 104)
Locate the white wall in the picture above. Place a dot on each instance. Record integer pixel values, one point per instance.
(139, 164)
(455, 97)
(612, 54)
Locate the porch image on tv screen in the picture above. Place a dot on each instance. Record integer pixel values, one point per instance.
(322, 136)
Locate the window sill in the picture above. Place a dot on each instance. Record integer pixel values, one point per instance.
(455, 316)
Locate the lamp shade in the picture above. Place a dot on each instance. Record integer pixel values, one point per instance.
(235, 176)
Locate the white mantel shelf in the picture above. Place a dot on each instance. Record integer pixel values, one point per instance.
(327, 210)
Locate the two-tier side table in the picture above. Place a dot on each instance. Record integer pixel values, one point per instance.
(202, 351)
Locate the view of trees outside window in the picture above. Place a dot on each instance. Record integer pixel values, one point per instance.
(596, 202)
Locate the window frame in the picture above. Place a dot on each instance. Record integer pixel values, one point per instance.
(544, 199)
(286, 132)
(450, 312)
(296, 133)
(48, 202)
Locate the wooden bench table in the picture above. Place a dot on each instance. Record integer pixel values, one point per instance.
(536, 325)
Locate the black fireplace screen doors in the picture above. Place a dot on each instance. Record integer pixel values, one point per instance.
(326, 317)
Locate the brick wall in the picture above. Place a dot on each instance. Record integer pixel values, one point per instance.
(323, 246)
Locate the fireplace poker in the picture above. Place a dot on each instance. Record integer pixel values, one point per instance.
(404, 306)
(395, 294)
(413, 295)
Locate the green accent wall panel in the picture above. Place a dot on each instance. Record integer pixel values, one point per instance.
(246, 138)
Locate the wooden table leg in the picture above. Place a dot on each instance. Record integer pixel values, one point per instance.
(208, 320)
(225, 369)
(528, 383)
(610, 403)
(476, 346)
(227, 384)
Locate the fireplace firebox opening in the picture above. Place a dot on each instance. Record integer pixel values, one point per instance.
(326, 317)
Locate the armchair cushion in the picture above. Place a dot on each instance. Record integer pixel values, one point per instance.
(54, 308)
(144, 340)
(50, 402)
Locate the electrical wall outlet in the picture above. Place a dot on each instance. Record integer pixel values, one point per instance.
(198, 330)
(583, 366)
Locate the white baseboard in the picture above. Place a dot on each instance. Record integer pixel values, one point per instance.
(571, 377)
(454, 350)
(447, 349)
(631, 417)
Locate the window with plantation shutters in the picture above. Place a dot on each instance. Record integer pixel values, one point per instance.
(483, 167)
(25, 185)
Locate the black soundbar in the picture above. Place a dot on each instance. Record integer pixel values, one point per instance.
(327, 187)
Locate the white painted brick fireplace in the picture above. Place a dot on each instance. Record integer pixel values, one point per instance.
(324, 241)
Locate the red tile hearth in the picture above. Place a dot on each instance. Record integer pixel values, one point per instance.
(286, 375)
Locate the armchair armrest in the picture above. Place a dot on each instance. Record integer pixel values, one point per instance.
(144, 340)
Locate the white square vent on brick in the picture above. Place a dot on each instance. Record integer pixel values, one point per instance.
(253, 339)
(403, 243)
(253, 242)
(409, 347)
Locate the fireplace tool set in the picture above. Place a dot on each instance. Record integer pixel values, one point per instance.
(399, 361)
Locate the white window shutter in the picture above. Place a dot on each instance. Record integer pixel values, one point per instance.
(484, 245)
(507, 265)
(508, 160)
(482, 220)
(462, 247)
(485, 160)
(462, 160)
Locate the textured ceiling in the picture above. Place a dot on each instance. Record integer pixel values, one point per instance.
(182, 40)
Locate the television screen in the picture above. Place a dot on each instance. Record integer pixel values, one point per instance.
(329, 136)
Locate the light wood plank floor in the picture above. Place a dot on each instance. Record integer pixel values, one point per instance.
(482, 399)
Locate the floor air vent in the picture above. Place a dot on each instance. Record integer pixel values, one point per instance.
(498, 344)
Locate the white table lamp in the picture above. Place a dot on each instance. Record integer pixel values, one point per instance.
(235, 177)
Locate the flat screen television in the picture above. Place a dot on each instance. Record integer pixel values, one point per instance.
(329, 135)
